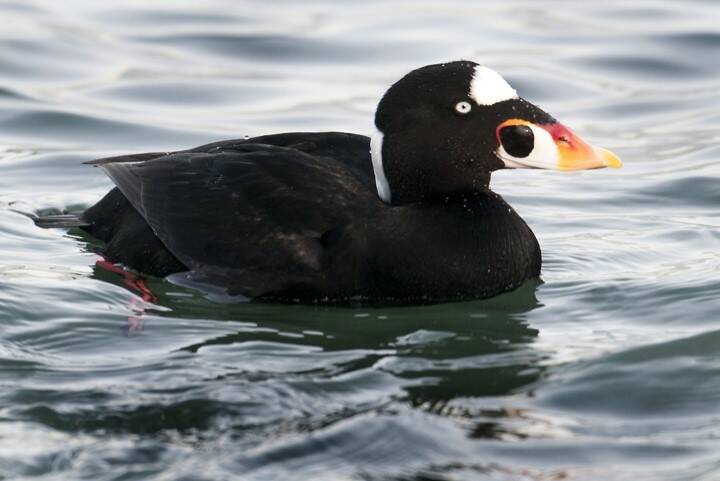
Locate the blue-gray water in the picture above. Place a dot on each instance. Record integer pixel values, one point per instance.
(609, 370)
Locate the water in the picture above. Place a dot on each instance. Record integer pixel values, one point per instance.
(609, 369)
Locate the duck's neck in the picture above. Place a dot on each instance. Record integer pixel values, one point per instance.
(464, 197)
(412, 174)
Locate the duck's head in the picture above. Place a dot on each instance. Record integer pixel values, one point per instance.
(442, 130)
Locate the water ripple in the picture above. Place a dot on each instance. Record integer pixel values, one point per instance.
(605, 370)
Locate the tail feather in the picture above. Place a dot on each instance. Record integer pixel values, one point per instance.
(60, 221)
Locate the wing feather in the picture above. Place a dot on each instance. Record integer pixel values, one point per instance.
(247, 208)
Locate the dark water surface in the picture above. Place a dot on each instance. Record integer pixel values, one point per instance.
(609, 370)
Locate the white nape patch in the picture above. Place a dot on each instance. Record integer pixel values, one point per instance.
(544, 154)
(381, 182)
(488, 87)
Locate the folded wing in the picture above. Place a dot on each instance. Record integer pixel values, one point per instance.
(244, 208)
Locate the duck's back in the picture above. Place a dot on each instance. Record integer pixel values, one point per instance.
(262, 203)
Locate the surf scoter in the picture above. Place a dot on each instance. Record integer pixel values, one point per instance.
(406, 216)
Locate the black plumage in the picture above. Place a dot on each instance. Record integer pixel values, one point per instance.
(297, 217)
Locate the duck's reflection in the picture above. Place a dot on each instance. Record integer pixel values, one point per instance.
(473, 349)
(136, 321)
(445, 354)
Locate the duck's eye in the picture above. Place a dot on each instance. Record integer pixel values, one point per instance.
(518, 140)
(463, 107)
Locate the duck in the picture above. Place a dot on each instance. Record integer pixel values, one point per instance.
(405, 215)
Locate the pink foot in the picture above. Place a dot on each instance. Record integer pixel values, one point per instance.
(133, 281)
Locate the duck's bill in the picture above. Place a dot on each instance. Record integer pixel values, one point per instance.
(523, 144)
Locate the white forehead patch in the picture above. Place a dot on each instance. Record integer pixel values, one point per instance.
(488, 87)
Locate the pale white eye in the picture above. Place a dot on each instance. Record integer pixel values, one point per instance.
(463, 107)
